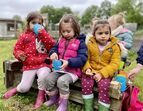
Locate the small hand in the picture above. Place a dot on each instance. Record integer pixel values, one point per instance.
(22, 57)
(122, 42)
(133, 73)
(54, 56)
(97, 77)
(64, 64)
(88, 72)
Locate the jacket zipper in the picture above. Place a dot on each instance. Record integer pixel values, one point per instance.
(66, 45)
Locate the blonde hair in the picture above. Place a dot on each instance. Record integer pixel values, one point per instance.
(94, 20)
(118, 19)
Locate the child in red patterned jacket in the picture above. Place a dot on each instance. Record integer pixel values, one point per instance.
(31, 49)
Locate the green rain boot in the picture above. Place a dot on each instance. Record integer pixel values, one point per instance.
(88, 104)
(102, 108)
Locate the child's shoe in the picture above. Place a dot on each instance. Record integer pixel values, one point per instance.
(10, 93)
(40, 99)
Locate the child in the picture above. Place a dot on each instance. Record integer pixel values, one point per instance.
(31, 49)
(93, 21)
(139, 66)
(118, 30)
(72, 51)
(103, 61)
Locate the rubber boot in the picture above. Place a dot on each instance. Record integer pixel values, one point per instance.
(88, 104)
(63, 103)
(102, 108)
(53, 100)
(40, 99)
(10, 93)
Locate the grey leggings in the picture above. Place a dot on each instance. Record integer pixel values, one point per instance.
(61, 81)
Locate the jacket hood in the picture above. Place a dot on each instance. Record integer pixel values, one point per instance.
(125, 30)
(81, 37)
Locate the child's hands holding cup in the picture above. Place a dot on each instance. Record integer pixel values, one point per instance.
(64, 64)
(54, 56)
(36, 28)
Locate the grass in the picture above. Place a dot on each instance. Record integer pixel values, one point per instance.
(138, 34)
(24, 102)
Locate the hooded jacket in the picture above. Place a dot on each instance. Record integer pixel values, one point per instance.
(74, 51)
(105, 63)
(125, 35)
(26, 44)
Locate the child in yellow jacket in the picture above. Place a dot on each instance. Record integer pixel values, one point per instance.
(103, 61)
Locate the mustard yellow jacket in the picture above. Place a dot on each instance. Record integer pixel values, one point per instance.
(105, 63)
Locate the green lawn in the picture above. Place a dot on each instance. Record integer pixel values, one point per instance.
(24, 102)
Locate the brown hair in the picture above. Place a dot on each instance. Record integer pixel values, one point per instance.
(69, 18)
(31, 16)
(100, 23)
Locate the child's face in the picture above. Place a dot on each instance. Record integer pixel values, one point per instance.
(35, 21)
(102, 35)
(67, 30)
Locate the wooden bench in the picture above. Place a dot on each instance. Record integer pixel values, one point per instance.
(13, 74)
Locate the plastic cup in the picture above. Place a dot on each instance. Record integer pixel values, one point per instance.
(57, 64)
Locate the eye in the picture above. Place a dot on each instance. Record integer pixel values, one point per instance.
(36, 23)
(68, 31)
(100, 33)
(33, 22)
(107, 33)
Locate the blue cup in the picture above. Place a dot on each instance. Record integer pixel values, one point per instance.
(36, 28)
(57, 64)
(123, 81)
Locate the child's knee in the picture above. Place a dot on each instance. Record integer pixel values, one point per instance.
(23, 88)
(61, 83)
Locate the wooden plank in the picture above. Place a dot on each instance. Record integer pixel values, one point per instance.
(12, 65)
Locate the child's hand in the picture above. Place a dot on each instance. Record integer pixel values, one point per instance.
(88, 72)
(133, 73)
(64, 64)
(97, 77)
(37, 28)
(54, 56)
(122, 42)
(22, 57)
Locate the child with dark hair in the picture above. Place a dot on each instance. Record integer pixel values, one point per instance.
(103, 61)
(31, 49)
(72, 51)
